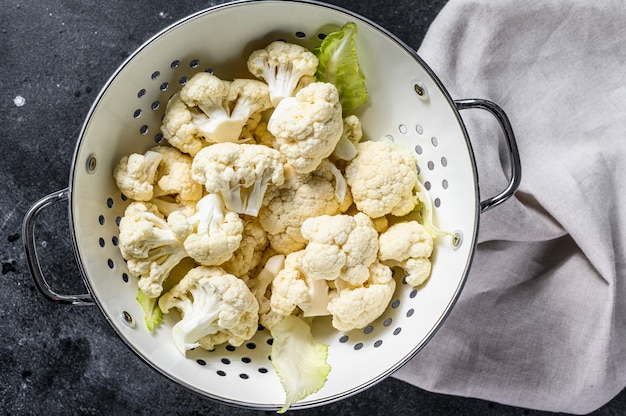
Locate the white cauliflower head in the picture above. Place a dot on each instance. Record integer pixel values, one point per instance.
(227, 106)
(209, 94)
(249, 98)
(407, 245)
(249, 254)
(150, 246)
(383, 179)
(179, 126)
(291, 289)
(285, 207)
(283, 66)
(238, 173)
(135, 175)
(216, 307)
(174, 175)
(355, 307)
(308, 126)
(212, 234)
(339, 247)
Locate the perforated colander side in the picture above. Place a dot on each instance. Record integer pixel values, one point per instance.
(409, 107)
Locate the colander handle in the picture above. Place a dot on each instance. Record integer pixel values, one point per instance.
(515, 176)
(28, 234)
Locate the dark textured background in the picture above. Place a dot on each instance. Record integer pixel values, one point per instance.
(57, 359)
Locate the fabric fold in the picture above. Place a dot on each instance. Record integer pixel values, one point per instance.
(541, 322)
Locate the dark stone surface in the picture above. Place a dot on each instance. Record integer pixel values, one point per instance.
(59, 359)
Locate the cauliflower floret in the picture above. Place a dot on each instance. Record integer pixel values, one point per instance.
(227, 106)
(407, 245)
(179, 127)
(210, 95)
(260, 287)
(323, 191)
(308, 126)
(283, 66)
(250, 252)
(383, 179)
(292, 288)
(238, 173)
(135, 175)
(174, 175)
(339, 246)
(355, 307)
(352, 134)
(289, 287)
(216, 307)
(212, 234)
(151, 248)
(251, 98)
(161, 176)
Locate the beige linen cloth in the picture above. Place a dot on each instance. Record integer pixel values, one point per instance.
(541, 322)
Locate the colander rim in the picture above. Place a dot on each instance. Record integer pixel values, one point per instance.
(77, 170)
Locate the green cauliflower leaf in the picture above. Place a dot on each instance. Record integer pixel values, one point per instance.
(299, 360)
(339, 65)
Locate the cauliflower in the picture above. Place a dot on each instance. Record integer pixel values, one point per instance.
(135, 175)
(212, 234)
(339, 246)
(407, 245)
(151, 248)
(161, 176)
(323, 191)
(174, 175)
(208, 93)
(249, 254)
(283, 66)
(280, 209)
(227, 106)
(352, 134)
(383, 179)
(308, 126)
(179, 126)
(216, 307)
(292, 288)
(355, 307)
(260, 287)
(251, 98)
(238, 173)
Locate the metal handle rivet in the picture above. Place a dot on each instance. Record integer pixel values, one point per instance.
(127, 318)
(457, 239)
(91, 164)
(421, 90)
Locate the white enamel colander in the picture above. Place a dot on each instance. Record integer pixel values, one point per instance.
(407, 103)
